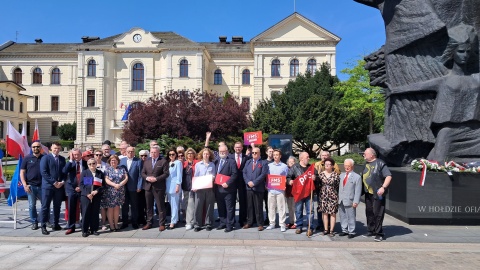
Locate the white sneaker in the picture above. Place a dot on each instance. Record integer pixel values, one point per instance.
(283, 229)
(188, 227)
(270, 227)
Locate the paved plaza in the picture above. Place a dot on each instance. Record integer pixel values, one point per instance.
(405, 247)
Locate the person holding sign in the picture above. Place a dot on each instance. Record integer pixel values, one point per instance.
(276, 191)
(254, 175)
(92, 185)
(202, 186)
(225, 189)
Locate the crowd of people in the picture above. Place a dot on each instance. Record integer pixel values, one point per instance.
(104, 186)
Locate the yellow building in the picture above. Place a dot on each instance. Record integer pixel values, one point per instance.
(13, 107)
(91, 82)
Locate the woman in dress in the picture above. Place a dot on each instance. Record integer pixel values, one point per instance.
(204, 198)
(116, 178)
(91, 196)
(174, 182)
(188, 196)
(330, 181)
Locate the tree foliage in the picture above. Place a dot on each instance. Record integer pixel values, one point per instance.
(181, 114)
(310, 109)
(358, 95)
(67, 131)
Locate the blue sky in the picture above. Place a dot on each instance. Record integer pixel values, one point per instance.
(59, 21)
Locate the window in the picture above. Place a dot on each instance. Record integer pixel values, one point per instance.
(137, 77)
(12, 103)
(17, 75)
(276, 68)
(217, 77)
(55, 77)
(54, 103)
(92, 68)
(1, 105)
(6, 104)
(28, 128)
(37, 76)
(90, 98)
(312, 66)
(20, 127)
(21, 107)
(294, 68)
(184, 68)
(246, 76)
(1, 129)
(35, 103)
(54, 128)
(246, 102)
(90, 126)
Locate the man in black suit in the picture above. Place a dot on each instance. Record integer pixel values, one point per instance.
(155, 172)
(240, 159)
(72, 170)
(51, 167)
(225, 193)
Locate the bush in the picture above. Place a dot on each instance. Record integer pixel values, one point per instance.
(356, 157)
(67, 131)
(67, 143)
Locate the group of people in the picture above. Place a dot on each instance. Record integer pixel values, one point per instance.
(103, 183)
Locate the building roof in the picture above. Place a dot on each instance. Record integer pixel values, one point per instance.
(168, 39)
(40, 48)
(216, 47)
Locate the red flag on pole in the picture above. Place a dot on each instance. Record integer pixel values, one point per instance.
(303, 185)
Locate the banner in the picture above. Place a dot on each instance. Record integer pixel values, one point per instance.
(252, 137)
(277, 182)
(202, 182)
(303, 185)
(221, 178)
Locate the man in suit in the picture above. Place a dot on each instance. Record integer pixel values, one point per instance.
(240, 160)
(155, 172)
(254, 175)
(51, 167)
(349, 194)
(225, 193)
(134, 186)
(72, 170)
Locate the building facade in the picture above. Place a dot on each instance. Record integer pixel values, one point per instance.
(92, 82)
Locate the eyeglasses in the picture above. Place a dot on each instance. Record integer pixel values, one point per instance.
(98, 155)
(172, 154)
(255, 152)
(35, 146)
(143, 155)
(180, 155)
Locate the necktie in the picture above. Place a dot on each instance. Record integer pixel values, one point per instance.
(254, 162)
(238, 161)
(78, 173)
(345, 179)
(221, 165)
(153, 162)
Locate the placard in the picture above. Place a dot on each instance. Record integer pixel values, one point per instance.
(277, 182)
(221, 178)
(252, 137)
(202, 182)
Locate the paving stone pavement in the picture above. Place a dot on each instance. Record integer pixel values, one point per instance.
(405, 247)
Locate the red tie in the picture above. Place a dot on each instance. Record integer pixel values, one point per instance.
(78, 173)
(345, 179)
(253, 167)
(238, 161)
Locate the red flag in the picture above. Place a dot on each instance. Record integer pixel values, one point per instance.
(36, 137)
(303, 185)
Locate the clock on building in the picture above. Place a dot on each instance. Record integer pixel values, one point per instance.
(137, 38)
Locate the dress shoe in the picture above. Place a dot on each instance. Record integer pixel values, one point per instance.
(146, 227)
(171, 227)
(309, 233)
(208, 228)
(342, 234)
(161, 228)
(57, 227)
(124, 225)
(44, 231)
(260, 228)
(246, 226)
(350, 236)
(69, 231)
(85, 234)
(95, 233)
(221, 227)
(135, 226)
(35, 226)
(227, 230)
(197, 229)
(299, 231)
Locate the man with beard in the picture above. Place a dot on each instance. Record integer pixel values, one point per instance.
(225, 192)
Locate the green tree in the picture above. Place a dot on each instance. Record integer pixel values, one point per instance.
(67, 131)
(359, 96)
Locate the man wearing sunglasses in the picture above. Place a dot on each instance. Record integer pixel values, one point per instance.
(32, 181)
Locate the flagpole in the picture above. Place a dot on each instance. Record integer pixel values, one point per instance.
(309, 214)
(15, 214)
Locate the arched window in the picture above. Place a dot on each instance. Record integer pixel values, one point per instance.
(246, 76)
(21, 107)
(6, 104)
(312, 66)
(37, 76)
(217, 77)
(276, 68)
(17, 75)
(92, 68)
(55, 77)
(294, 68)
(12, 104)
(184, 68)
(137, 77)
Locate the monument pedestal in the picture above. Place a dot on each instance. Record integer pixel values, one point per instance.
(443, 200)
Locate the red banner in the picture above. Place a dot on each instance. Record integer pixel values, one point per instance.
(221, 178)
(277, 182)
(303, 185)
(252, 137)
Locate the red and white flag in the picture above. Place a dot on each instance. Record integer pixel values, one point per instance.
(303, 185)
(97, 181)
(15, 147)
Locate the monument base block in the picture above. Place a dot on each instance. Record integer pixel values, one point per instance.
(443, 200)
